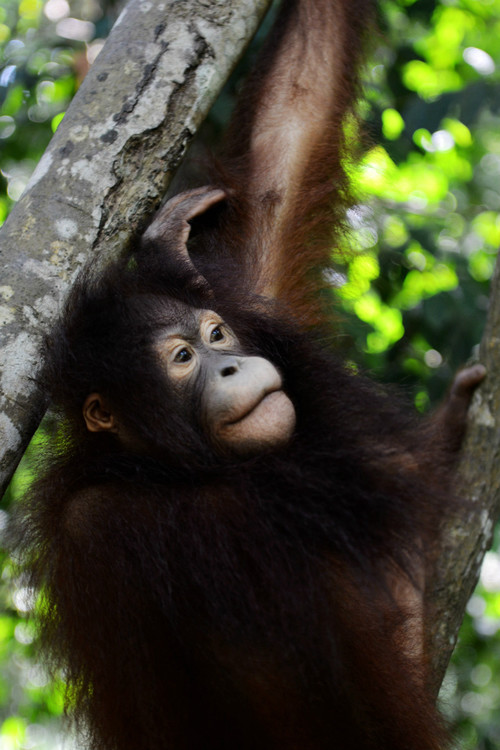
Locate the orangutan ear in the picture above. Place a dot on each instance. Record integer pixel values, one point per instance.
(97, 416)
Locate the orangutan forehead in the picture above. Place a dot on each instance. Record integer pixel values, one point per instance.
(174, 317)
(164, 312)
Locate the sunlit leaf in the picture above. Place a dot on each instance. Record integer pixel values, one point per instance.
(395, 231)
(487, 225)
(56, 120)
(481, 266)
(421, 77)
(12, 732)
(392, 123)
(13, 101)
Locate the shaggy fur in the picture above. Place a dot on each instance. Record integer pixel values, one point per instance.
(199, 602)
(203, 602)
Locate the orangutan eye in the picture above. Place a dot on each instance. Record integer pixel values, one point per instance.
(216, 335)
(184, 355)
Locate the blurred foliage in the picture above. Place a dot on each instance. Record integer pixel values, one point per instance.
(31, 705)
(45, 50)
(429, 222)
(413, 292)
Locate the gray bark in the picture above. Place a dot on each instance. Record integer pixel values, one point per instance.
(107, 166)
(468, 535)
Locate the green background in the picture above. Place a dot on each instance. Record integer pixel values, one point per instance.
(411, 282)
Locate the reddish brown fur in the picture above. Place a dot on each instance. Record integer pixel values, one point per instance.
(203, 602)
(288, 186)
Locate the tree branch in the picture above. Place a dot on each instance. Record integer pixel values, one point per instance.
(467, 537)
(105, 170)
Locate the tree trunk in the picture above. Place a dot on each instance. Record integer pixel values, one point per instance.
(106, 168)
(467, 537)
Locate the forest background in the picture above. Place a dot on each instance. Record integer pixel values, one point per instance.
(411, 290)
